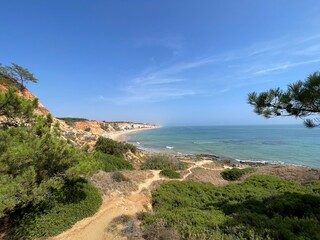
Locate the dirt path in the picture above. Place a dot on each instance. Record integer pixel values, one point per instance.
(195, 165)
(95, 227)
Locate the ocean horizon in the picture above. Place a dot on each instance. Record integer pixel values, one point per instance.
(279, 144)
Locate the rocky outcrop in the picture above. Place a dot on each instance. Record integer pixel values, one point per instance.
(90, 126)
(78, 137)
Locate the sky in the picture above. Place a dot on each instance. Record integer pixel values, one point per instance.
(167, 62)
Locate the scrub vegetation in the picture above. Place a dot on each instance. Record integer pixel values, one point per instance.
(262, 207)
(234, 174)
(161, 162)
(170, 173)
(43, 187)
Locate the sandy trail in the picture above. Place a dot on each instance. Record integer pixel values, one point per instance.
(196, 164)
(95, 227)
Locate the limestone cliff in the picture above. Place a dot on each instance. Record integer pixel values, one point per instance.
(102, 127)
(84, 132)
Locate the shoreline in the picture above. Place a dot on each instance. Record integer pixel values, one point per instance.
(122, 136)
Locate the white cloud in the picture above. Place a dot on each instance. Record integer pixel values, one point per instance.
(267, 70)
(224, 72)
(286, 65)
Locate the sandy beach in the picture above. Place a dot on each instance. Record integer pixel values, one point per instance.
(121, 136)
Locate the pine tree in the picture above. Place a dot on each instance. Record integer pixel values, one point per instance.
(301, 99)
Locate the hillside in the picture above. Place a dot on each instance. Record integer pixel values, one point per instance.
(6, 83)
(79, 131)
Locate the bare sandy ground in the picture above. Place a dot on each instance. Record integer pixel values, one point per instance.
(121, 136)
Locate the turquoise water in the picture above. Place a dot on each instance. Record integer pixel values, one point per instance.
(291, 144)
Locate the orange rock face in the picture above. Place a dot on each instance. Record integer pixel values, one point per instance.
(92, 126)
(41, 110)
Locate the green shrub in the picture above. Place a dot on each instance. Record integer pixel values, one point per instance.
(9, 82)
(87, 129)
(75, 201)
(261, 207)
(235, 173)
(33, 164)
(119, 177)
(162, 161)
(71, 121)
(91, 163)
(170, 173)
(113, 163)
(112, 147)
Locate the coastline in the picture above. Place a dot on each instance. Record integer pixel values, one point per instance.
(121, 136)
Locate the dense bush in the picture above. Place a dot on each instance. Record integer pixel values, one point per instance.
(91, 163)
(234, 174)
(170, 173)
(113, 163)
(33, 163)
(75, 201)
(162, 161)
(109, 146)
(262, 207)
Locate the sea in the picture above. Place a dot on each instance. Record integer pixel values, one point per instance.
(277, 144)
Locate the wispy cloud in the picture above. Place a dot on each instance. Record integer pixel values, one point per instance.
(218, 74)
(286, 65)
(160, 84)
(272, 69)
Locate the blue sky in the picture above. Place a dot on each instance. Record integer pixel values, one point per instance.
(167, 62)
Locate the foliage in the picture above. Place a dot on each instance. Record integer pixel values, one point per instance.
(113, 163)
(301, 99)
(109, 146)
(261, 207)
(18, 74)
(96, 161)
(234, 174)
(71, 121)
(7, 81)
(162, 161)
(78, 199)
(170, 173)
(33, 164)
(16, 107)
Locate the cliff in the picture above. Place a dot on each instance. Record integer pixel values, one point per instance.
(77, 130)
(98, 127)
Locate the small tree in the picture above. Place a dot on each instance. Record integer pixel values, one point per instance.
(302, 99)
(20, 74)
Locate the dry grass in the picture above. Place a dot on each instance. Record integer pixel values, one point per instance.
(296, 173)
(207, 176)
(107, 185)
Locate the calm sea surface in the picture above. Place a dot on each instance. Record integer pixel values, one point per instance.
(292, 144)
